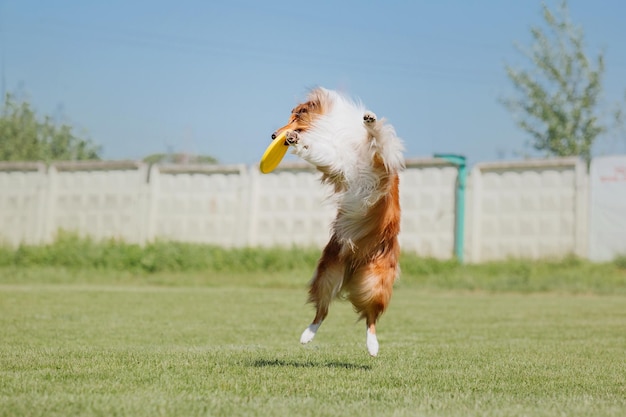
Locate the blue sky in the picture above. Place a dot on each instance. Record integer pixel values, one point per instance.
(217, 77)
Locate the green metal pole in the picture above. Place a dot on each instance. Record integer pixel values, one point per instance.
(459, 232)
(459, 243)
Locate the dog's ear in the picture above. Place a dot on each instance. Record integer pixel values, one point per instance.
(312, 106)
(316, 97)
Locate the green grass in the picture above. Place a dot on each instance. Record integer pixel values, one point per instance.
(114, 343)
(185, 264)
(170, 329)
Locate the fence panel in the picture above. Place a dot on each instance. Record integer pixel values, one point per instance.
(201, 204)
(23, 193)
(607, 229)
(99, 199)
(290, 208)
(528, 209)
(427, 194)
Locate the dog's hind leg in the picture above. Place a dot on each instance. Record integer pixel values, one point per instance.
(370, 293)
(324, 286)
(371, 340)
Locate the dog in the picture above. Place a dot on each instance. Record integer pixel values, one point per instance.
(360, 157)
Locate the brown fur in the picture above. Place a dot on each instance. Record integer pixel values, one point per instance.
(366, 272)
(303, 116)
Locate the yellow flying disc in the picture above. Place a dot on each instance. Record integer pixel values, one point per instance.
(274, 154)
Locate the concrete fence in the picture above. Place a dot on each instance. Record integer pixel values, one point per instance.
(529, 209)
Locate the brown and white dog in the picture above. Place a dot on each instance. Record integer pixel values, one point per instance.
(360, 157)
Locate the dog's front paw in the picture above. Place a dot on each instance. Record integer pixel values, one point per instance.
(292, 137)
(369, 118)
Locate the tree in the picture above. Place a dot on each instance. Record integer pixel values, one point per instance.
(179, 158)
(558, 101)
(23, 137)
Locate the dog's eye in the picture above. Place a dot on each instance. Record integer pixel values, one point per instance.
(298, 130)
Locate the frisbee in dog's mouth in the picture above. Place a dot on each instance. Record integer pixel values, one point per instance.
(274, 153)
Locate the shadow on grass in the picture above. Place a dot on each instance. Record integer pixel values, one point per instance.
(262, 363)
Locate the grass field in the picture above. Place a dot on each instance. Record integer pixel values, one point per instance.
(114, 343)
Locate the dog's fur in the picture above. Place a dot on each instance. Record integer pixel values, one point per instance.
(360, 157)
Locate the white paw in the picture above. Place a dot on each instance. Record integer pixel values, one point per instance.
(372, 343)
(292, 137)
(369, 118)
(294, 140)
(309, 333)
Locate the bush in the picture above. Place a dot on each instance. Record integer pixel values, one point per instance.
(278, 266)
(620, 261)
(71, 251)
